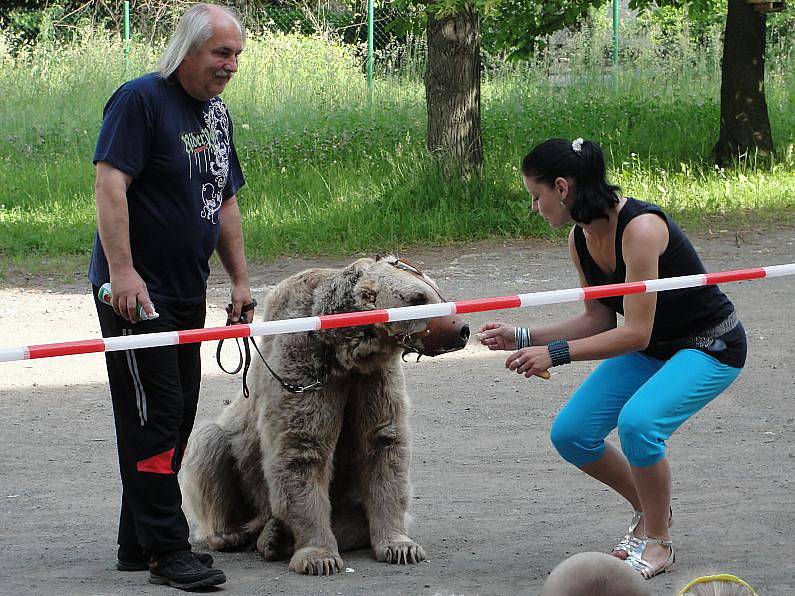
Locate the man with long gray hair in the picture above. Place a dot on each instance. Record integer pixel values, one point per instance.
(167, 177)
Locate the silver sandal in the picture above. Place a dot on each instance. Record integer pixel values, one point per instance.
(630, 543)
(641, 565)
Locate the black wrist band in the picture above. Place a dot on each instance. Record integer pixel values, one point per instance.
(559, 352)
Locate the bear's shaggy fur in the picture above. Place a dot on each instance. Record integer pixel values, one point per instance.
(308, 475)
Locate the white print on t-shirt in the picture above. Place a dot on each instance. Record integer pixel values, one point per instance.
(200, 146)
(208, 151)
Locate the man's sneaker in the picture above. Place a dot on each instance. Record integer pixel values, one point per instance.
(138, 560)
(132, 559)
(181, 569)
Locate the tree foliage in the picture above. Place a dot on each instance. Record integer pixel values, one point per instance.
(520, 27)
(517, 27)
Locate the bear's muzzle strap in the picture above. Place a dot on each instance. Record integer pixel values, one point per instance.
(406, 266)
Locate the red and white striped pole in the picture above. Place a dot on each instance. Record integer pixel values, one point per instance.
(353, 319)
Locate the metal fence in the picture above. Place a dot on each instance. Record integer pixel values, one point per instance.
(380, 32)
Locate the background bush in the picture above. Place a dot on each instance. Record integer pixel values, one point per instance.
(332, 168)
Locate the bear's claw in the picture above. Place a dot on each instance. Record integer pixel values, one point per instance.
(400, 552)
(312, 560)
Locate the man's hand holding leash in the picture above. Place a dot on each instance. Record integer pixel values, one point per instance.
(244, 314)
(242, 305)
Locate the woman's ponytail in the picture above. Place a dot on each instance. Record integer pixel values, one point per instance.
(581, 161)
(594, 195)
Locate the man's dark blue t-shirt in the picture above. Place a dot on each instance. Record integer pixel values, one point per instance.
(180, 154)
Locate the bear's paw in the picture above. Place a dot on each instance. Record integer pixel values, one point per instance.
(314, 560)
(403, 551)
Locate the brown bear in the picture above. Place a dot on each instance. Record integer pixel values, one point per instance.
(310, 474)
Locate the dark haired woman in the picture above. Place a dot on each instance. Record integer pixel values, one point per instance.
(675, 352)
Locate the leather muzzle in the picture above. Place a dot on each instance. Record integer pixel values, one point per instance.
(442, 335)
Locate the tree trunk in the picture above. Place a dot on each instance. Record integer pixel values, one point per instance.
(744, 121)
(452, 90)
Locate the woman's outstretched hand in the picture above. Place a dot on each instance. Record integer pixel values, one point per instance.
(497, 336)
(527, 361)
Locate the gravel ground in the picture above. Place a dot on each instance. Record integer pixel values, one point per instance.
(494, 506)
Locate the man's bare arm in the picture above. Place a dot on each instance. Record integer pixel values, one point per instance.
(113, 223)
(233, 257)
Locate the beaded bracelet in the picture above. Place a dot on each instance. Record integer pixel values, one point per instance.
(522, 337)
(559, 352)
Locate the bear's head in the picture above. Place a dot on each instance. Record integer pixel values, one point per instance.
(388, 282)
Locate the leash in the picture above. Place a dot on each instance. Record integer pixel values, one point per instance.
(244, 356)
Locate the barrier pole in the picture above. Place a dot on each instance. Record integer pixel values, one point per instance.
(388, 315)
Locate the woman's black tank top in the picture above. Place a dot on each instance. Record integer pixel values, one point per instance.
(681, 313)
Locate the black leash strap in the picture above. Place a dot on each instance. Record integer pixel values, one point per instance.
(244, 356)
(243, 362)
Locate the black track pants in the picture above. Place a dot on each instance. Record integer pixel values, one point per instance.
(155, 392)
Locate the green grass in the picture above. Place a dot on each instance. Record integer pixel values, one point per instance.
(328, 172)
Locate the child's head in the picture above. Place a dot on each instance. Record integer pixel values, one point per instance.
(582, 165)
(595, 574)
(717, 585)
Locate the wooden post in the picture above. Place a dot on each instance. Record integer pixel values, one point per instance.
(768, 5)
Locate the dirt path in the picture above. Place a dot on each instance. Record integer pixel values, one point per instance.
(494, 506)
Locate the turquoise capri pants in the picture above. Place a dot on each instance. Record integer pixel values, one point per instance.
(646, 398)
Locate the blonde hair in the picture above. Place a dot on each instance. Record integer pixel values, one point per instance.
(595, 574)
(194, 29)
(723, 584)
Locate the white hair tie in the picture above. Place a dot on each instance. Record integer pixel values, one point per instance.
(576, 146)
